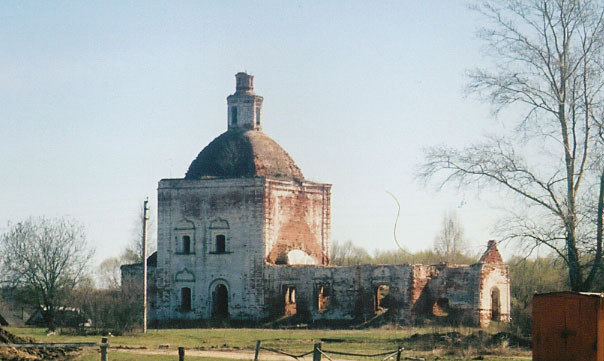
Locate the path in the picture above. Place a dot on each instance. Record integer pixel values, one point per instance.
(227, 355)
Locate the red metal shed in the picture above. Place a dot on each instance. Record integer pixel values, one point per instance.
(568, 326)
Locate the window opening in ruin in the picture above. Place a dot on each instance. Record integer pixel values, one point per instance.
(186, 244)
(495, 304)
(233, 115)
(323, 293)
(220, 243)
(185, 299)
(380, 301)
(290, 301)
(257, 116)
(440, 308)
(281, 259)
(220, 302)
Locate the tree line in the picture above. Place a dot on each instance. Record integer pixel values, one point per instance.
(46, 267)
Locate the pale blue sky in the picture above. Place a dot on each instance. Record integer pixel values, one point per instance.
(100, 100)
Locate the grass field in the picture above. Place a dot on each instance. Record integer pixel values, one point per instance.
(293, 341)
(118, 356)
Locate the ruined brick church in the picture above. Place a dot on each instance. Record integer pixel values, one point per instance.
(244, 236)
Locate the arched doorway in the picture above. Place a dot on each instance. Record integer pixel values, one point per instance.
(495, 304)
(220, 301)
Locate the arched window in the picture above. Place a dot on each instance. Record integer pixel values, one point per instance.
(322, 294)
(184, 237)
(219, 233)
(495, 304)
(257, 116)
(186, 244)
(220, 243)
(185, 299)
(290, 301)
(233, 115)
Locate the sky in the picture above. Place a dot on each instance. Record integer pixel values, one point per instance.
(101, 100)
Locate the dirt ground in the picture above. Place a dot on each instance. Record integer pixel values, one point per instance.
(423, 342)
(30, 354)
(443, 346)
(269, 356)
(227, 355)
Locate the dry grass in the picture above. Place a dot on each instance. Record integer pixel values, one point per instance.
(431, 343)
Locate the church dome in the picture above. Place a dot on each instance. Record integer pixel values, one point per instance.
(243, 153)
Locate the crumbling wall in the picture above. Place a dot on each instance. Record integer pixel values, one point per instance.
(455, 293)
(449, 293)
(421, 298)
(132, 280)
(297, 218)
(349, 292)
(494, 294)
(494, 298)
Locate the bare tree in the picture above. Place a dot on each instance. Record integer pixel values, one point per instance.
(108, 272)
(112, 309)
(450, 243)
(47, 258)
(348, 254)
(548, 64)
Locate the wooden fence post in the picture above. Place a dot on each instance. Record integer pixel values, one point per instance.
(104, 347)
(257, 350)
(316, 354)
(398, 353)
(181, 354)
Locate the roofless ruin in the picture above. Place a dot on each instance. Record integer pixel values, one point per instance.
(243, 235)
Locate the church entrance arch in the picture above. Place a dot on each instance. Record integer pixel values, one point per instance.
(220, 301)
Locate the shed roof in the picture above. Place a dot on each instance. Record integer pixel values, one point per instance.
(570, 294)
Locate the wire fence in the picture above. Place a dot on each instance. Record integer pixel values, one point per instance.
(319, 353)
